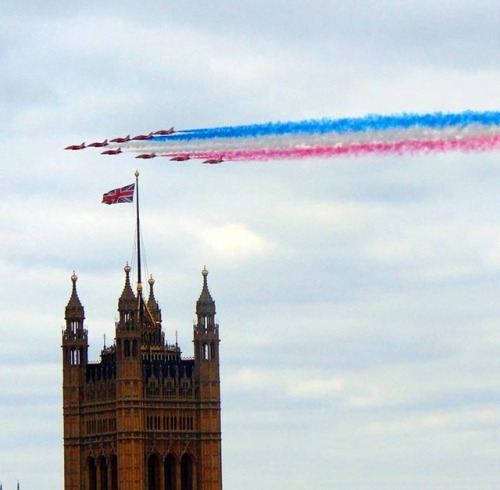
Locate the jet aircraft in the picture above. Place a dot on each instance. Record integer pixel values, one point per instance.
(75, 147)
(146, 155)
(112, 152)
(165, 132)
(141, 137)
(121, 140)
(98, 144)
(214, 160)
(180, 158)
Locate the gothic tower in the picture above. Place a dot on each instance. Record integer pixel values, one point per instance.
(143, 417)
(206, 356)
(74, 350)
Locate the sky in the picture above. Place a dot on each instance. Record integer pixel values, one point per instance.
(357, 297)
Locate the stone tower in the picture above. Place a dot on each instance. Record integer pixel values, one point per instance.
(143, 417)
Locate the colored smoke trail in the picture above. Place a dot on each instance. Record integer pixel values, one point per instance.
(468, 131)
(472, 144)
(273, 142)
(436, 120)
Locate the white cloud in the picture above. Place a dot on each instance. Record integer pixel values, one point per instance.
(235, 243)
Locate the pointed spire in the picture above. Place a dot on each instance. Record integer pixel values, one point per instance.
(205, 305)
(127, 301)
(74, 308)
(152, 304)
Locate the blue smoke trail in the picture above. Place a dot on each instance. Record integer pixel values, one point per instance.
(435, 120)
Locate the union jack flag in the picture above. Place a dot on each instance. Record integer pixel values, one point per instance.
(123, 194)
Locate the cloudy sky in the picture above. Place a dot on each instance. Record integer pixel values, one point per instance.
(357, 298)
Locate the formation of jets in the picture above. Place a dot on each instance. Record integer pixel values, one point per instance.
(179, 157)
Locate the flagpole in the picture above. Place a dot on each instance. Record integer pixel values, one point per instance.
(138, 233)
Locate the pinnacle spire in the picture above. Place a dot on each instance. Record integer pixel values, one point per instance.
(127, 300)
(205, 305)
(152, 304)
(74, 308)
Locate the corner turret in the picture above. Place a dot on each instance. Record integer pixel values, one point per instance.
(127, 303)
(206, 331)
(74, 313)
(205, 306)
(75, 342)
(152, 304)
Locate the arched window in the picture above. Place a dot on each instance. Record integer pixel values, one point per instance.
(127, 347)
(114, 472)
(153, 472)
(92, 474)
(103, 473)
(186, 472)
(170, 472)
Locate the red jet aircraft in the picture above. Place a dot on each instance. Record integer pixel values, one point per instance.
(75, 147)
(112, 152)
(98, 144)
(214, 160)
(146, 155)
(180, 158)
(121, 140)
(141, 137)
(165, 132)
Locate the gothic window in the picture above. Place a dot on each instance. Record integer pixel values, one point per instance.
(103, 473)
(127, 347)
(114, 472)
(153, 472)
(74, 357)
(186, 472)
(92, 474)
(170, 472)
